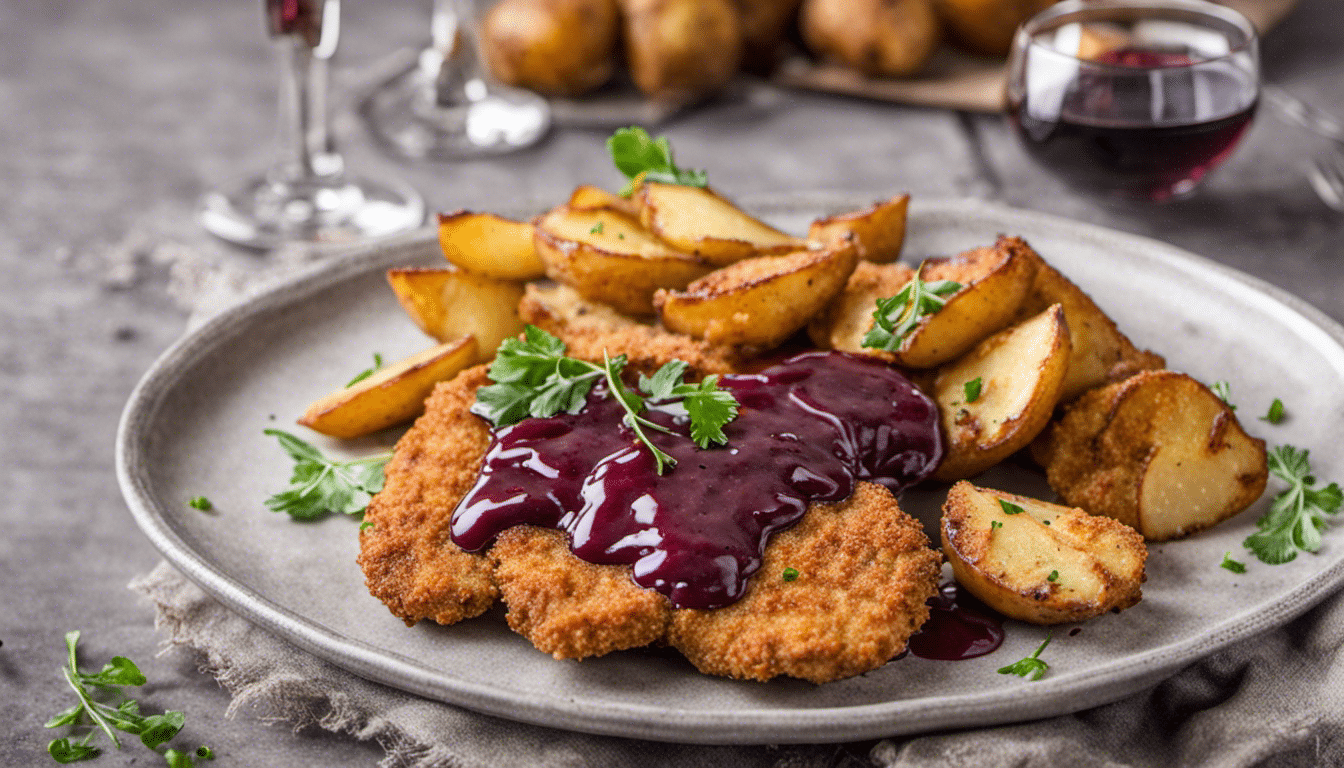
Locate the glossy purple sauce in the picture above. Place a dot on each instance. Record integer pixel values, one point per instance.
(806, 431)
(959, 627)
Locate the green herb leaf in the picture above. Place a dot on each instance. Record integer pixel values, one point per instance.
(367, 372)
(176, 759)
(321, 486)
(119, 671)
(1232, 565)
(65, 717)
(597, 228)
(995, 525)
(366, 525)
(634, 152)
(1296, 517)
(790, 574)
(1054, 576)
(1009, 508)
(1031, 667)
(972, 389)
(897, 316)
(205, 753)
(1275, 414)
(1222, 389)
(201, 503)
(64, 751)
(158, 730)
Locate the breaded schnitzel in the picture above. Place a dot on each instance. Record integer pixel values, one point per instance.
(865, 567)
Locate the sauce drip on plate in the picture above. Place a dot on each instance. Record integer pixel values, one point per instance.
(806, 431)
(959, 627)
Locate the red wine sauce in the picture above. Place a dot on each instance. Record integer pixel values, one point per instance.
(959, 627)
(806, 431)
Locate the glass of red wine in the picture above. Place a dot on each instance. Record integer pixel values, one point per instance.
(307, 195)
(1136, 98)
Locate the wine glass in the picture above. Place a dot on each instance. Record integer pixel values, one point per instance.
(307, 195)
(1137, 98)
(443, 107)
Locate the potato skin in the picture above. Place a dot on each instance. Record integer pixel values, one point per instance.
(884, 38)
(553, 47)
(680, 50)
(986, 26)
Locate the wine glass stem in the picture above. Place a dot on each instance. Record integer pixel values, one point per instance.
(453, 37)
(308, 151)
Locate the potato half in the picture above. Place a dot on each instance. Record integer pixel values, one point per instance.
(878, 230)
(758, 302)
(608, 257)
(884, 38)
(849, 317)
(490, 245)
(451, 303)
(699, 222)
(1158, 452)
(553, 47)
(680, 50)
(390, 396)
(1018, 373)
(1047, 564)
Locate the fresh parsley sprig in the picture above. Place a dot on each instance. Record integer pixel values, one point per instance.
(320, 485)
(1032, 667)
(122, 715)
(533, 377)
(634, 152)
(897, 316)
(367, 372)
(1297, 516)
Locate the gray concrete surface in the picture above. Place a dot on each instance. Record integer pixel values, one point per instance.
(116, 116)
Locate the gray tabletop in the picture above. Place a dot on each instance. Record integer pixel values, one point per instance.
(115, 117)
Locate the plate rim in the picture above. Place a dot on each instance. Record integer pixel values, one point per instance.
(1052, 696)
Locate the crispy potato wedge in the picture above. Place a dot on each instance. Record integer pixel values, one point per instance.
(1047, 564)
(490, 245)
(1101, 353)
(1157, 451)
(1020, 371)
(451, 303)
(759, 302)
(586, 197)
(608, 257)
(878, 231)
(391, 395)
(699, 222)
(995, 279)
(848, 318)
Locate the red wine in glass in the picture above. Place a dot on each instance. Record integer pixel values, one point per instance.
(295, 17)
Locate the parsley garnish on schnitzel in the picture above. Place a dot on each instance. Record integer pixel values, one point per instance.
(533, 377)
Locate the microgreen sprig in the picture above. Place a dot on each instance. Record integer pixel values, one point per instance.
(1032, 667)
(320, 485)
(897, 316)
(634, 152)
(367, 372)
(1297, 516)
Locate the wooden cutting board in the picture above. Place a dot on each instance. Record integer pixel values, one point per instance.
(958, 80)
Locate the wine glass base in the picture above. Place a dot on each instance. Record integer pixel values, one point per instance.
(481, 121)
(337, 210)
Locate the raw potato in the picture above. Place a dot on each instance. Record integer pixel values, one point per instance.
(759, 302)
(1159, 452)
(1101, 353)
(553, 47)
(1021, 370)
(995, 280)
(890, 38)
(987, 26)
(587, 197)
(608, 257)
(451, 303)
(878, 231)
(490, 245)
(849, 317)
(1098, 563)
(681, 50)
(390, 396)
(699, 222)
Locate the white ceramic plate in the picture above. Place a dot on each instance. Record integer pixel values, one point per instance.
(194, 427)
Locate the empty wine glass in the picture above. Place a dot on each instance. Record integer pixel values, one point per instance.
(444, 107)
(308, 196)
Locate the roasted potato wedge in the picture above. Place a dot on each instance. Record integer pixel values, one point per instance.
(490, 245)
(452, 303)
(883, 38)
(699, 222)
(553, 47)
(587, 197)
(608, 257)
(1047, 564)
(681, 50)
(878, 231)
(1157, 451)
(758, 302)
(391, 395)
(1020, 371)
(994, 279)
(1101, 353)
(848, 318)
